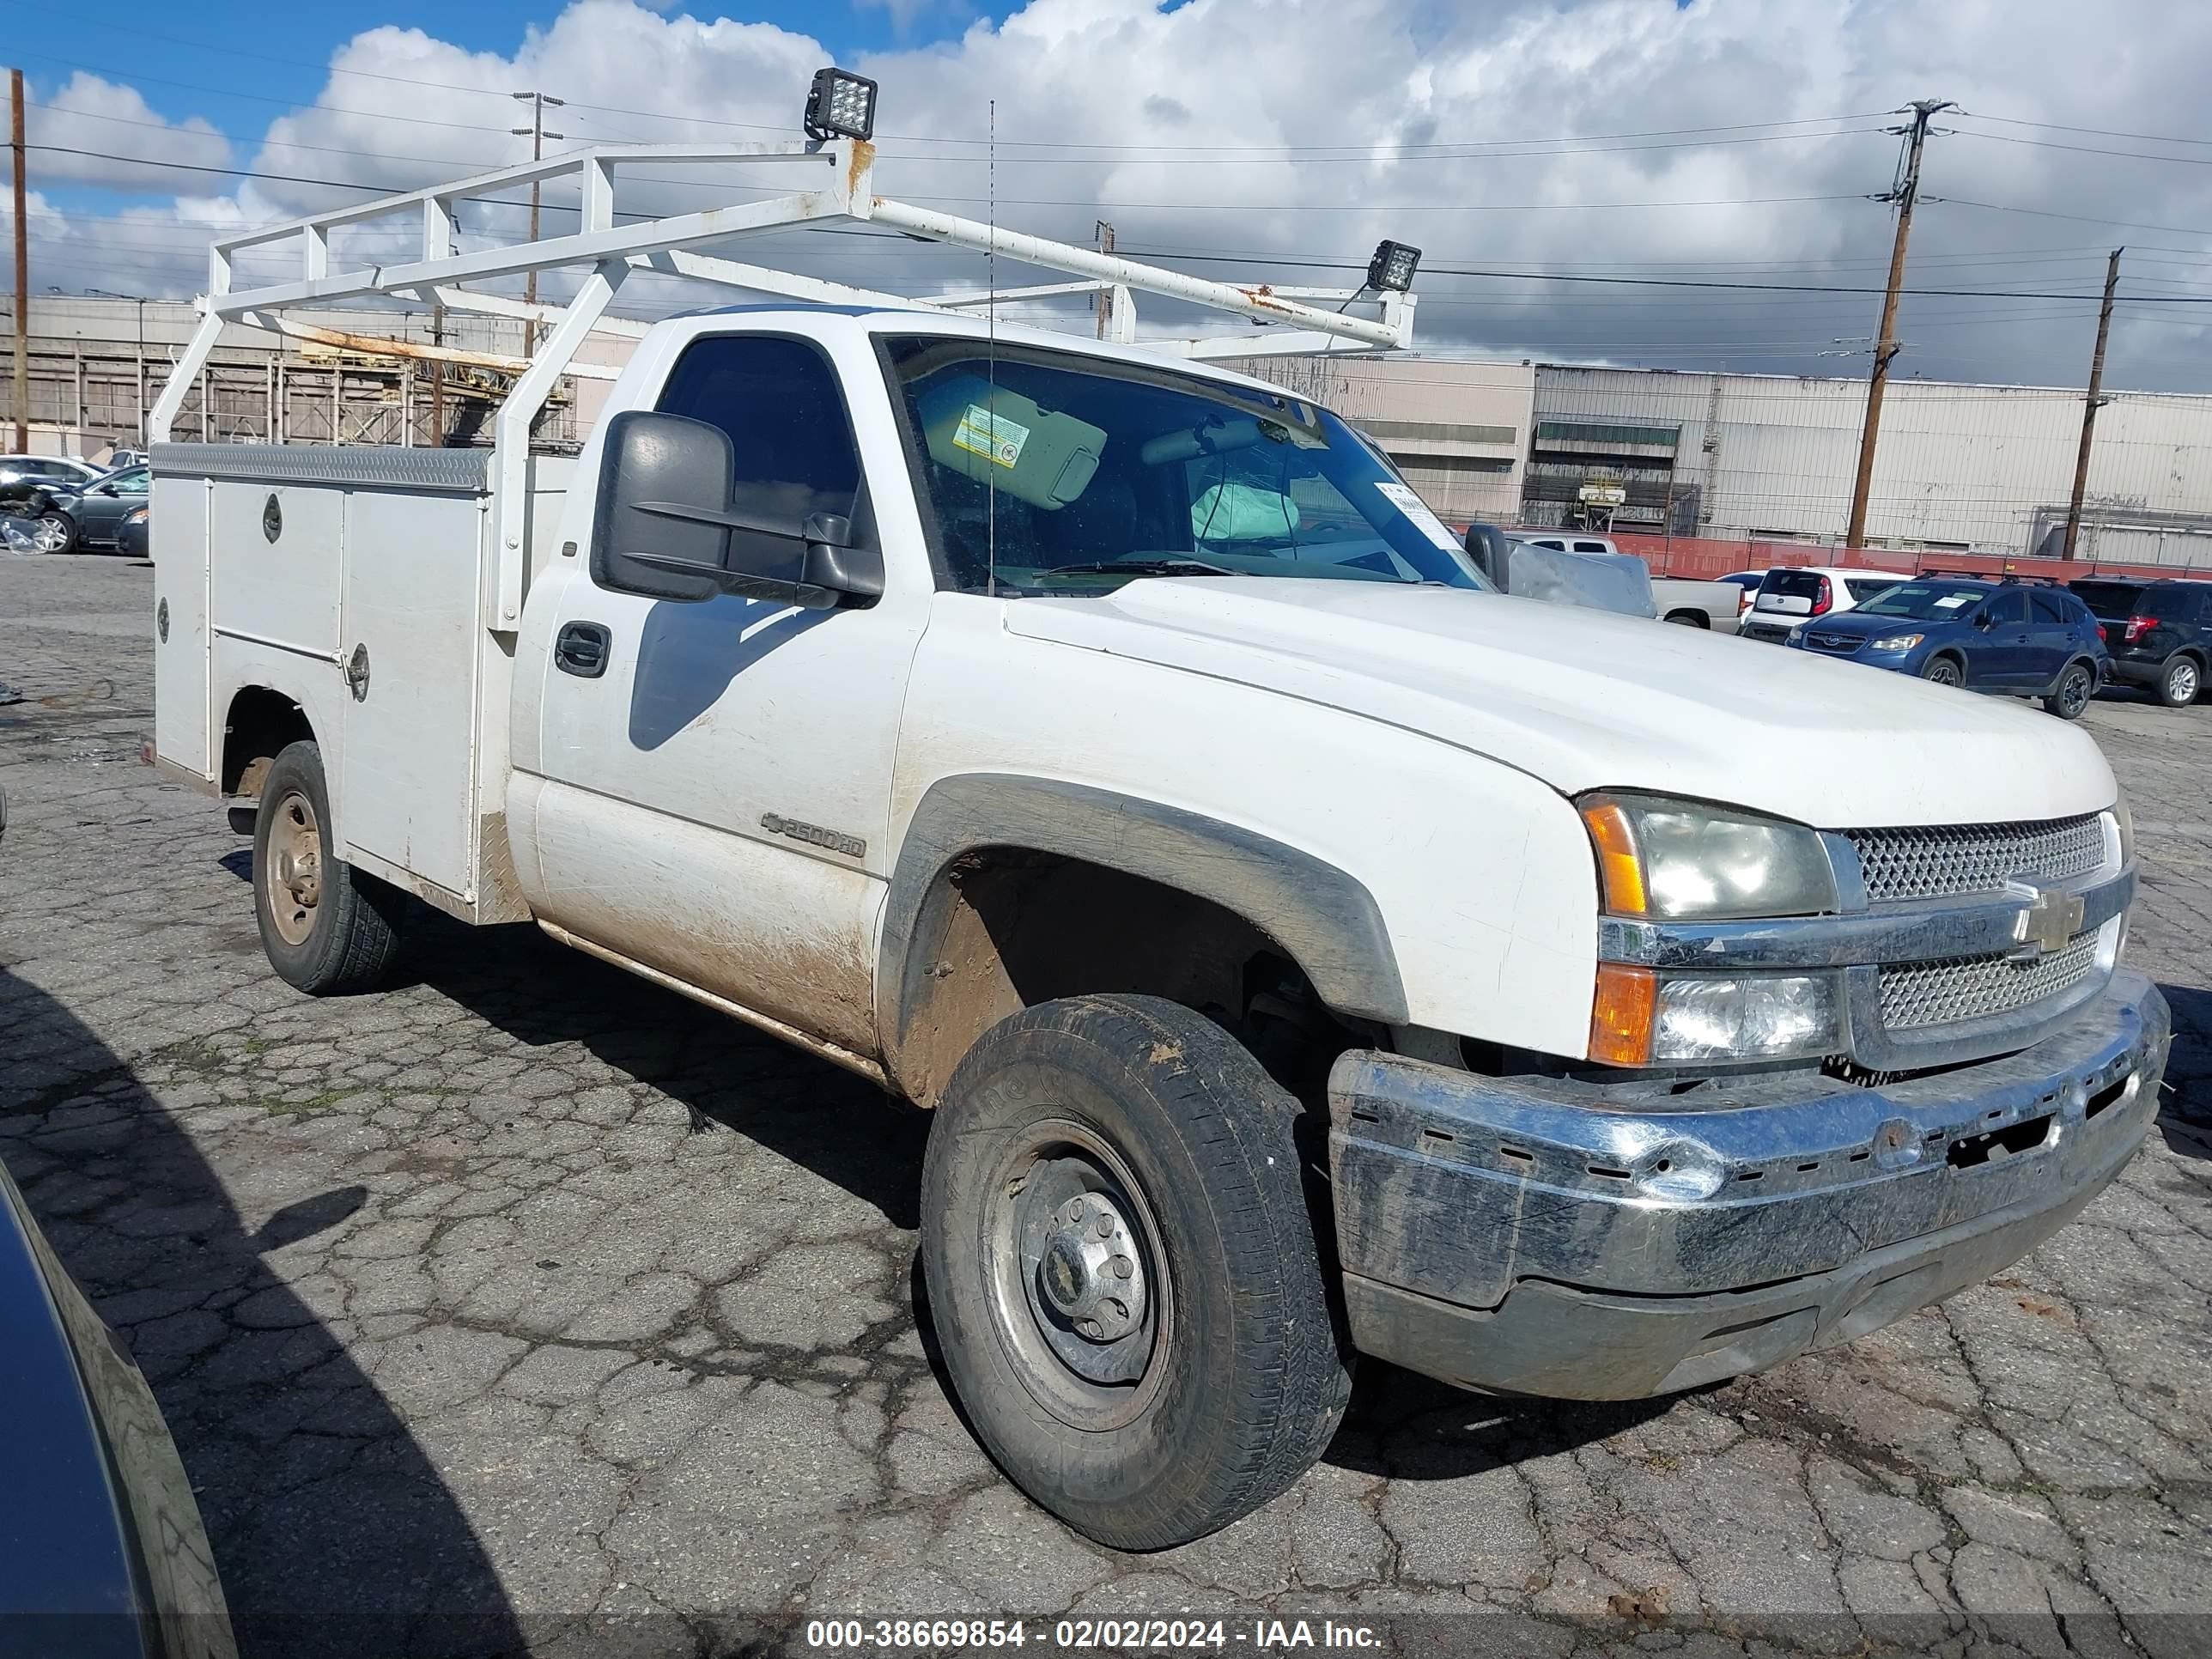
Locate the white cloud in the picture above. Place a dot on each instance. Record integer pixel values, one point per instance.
(1485, 85)
(93, 131)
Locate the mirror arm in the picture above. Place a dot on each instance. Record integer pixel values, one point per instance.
(718, 518)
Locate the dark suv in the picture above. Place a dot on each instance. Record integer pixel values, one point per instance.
(2160, 633)
(2028, 639)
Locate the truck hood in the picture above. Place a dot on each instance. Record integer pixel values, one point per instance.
(1584, 700)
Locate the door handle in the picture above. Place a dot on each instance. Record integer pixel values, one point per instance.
(582, 648)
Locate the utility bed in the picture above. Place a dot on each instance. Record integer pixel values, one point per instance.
(372, 565)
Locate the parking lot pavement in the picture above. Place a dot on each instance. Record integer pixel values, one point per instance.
(529, 1304)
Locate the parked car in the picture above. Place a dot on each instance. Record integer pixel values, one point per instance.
(105, 1550)
(1984, 634)
(2160, 633)
(96, 512)
(63, 471)
(131, 539)
(1745, 582)
(31, 489)
(1790, 596)
(119, 459)
(1676, 599)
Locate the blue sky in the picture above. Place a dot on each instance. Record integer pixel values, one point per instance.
(1573, 168)
(258, 53)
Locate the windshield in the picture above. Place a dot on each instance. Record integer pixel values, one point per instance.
(1925, 600)
(1053, 472)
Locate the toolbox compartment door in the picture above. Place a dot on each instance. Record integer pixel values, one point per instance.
(409, 651)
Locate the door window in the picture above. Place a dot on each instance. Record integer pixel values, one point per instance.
(2049, 610)
(1590, 547)
(779, 400)
(2007, 609)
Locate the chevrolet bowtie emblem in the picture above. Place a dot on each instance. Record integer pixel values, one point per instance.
(2050, 922)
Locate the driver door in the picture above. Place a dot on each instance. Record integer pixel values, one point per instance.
(720, 772)
(1999, 653)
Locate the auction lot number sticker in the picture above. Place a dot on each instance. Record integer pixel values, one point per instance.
(870, 1636)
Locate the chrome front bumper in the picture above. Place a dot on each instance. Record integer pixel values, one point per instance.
(1523, 1236)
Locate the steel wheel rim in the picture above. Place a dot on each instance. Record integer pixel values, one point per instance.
(293, 882)
(52, 536)
(2183, 679)
(2074, 695)
(1038, 1161)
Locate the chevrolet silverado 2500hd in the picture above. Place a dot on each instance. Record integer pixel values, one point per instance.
(1306, 948)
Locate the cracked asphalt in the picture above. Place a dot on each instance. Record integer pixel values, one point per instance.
(528, 1307)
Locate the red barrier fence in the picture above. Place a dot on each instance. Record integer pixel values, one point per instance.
(1705, 558)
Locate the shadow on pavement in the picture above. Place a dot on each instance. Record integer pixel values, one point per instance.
(840, 1127)
(333, 1533)
(1408, 1427)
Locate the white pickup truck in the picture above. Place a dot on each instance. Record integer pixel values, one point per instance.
(1306, 949)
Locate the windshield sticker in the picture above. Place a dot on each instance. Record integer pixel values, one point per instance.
(1954, 601)
(1417, 510)
(982, 433)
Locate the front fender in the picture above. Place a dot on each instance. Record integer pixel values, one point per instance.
(1327, 921)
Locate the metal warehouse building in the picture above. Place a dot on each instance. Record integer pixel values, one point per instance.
(1961, 468)
(1986, 469)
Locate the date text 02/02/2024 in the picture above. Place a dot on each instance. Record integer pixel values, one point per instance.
(1172, 1635)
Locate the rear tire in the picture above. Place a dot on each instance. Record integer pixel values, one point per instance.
(328, 929)
(1217, 1374)
(1689, 618)
(2070, 696)
(2179, 681)
(1942, 671)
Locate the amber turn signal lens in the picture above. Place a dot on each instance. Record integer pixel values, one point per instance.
(1621, 1015)
(1621, 867)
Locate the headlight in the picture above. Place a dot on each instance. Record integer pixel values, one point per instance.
(1673, 860)
(1897, 642)
(1642, 1018)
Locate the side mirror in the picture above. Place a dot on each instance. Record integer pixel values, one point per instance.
(671, 523)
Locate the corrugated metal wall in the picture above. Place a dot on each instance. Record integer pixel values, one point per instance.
(1459, 431)
(1982, 467)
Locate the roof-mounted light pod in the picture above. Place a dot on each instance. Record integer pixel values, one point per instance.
(1393, 266)
(840, 106)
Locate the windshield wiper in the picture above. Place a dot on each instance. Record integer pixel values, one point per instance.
(1140, 568)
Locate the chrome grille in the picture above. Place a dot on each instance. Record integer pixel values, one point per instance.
(1976, 858)
(1841, 644)
(1974, 987)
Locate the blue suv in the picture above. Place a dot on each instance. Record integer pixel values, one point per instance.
(1984, 634)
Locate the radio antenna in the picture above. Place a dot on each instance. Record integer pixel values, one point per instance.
(991, 365)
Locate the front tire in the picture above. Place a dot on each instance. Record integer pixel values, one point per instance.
(328, 929)
(53, 532)
(1942, 671)
(2180, 682)
(2070, 696)
(1122, 1271)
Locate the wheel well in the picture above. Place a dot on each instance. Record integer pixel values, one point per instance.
(1005, 928)
(1685, 614)
(261, 722)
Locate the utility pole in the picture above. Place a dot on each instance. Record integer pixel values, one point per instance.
(2091, 405)
(538, 102)
(1904, 193)
(23, 269)
(1104, 233)
(438, 378)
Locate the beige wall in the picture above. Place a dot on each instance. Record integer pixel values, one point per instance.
(1459, 431)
